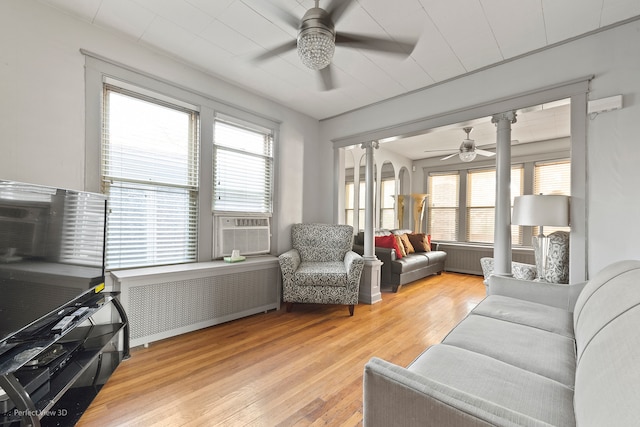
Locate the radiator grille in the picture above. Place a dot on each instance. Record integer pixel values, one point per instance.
(466, 259)
(164, 309)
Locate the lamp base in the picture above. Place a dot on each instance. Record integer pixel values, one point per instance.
(541, 249)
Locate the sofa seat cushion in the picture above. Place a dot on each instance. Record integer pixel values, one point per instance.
(541, 352)
(321, 274)
(436, 256)
(416, 261)
(409, 263)
(527, 313)
(527, 398)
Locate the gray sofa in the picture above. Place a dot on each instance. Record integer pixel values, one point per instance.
(530, 354)
(397, 272)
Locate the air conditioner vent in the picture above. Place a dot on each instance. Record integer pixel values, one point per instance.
(251, 222)
(249, 235)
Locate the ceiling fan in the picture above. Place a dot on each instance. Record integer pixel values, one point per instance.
(318, 38)
(468, 150)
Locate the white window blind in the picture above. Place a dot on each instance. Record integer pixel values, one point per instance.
(552, 178)
(387, 203)
(242, 168)
(443, 205)
(349, 203)
(481, 198)
(150, 175)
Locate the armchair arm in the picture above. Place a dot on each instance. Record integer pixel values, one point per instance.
(354, 264)
(289, 262)
(552, 294)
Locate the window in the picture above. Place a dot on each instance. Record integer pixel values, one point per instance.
(349, 203)
(242, 167)
(149, 172)
(387, 196)
(481, 198)
(552, 178)
(443, 206)
(387, 203)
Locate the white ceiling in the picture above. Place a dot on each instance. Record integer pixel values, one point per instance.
(454, 37)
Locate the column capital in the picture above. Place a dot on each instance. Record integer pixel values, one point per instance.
(370, 144)
(509, 116)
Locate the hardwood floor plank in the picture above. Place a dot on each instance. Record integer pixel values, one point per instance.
(302, 368)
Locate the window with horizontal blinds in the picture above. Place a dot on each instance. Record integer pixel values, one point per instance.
(242, 167)
(150, 175)
(349, 203)
(443, 205)
(552, 178)
(481, 198)
(387, 203)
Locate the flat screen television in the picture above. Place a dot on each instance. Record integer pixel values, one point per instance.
(52, 245)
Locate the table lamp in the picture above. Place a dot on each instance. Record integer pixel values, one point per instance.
(540, 210)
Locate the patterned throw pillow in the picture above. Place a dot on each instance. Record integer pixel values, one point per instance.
(421, 242)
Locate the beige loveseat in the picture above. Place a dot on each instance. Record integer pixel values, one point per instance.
(530, 354)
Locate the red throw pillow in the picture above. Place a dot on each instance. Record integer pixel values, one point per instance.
(389, 242)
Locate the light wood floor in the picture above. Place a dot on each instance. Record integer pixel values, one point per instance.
(281, 369)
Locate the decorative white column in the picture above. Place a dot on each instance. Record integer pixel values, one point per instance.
(502, 232)
(370, 281)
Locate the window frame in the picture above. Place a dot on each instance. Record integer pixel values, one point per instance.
(155, 244)
(99, 70)
(267, 156)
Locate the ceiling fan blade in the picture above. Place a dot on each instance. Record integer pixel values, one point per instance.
(279, 50)
(373, 43)
(449, 156)
(326, 77)
(485, 152)
(286, 16)
(337, 8)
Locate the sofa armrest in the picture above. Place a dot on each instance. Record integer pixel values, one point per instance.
(552, 294)
(396, 396)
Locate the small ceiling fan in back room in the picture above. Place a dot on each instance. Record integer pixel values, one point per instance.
(318, 38)
(468, 150)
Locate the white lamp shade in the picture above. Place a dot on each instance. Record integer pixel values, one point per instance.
(532, 210)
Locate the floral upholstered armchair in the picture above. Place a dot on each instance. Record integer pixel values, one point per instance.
(321, 267)
(557, 263)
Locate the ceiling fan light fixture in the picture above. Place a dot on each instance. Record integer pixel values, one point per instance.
(467, 156)
(316, 47)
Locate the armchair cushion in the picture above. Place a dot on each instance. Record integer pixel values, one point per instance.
(332, 273)
(322, 242)
(520, 271)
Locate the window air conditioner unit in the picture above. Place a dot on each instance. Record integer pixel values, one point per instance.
(249, 235)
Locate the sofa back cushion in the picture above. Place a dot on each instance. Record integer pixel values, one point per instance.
(322, 242)
(606, 321)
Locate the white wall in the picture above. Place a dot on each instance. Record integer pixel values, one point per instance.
(613, 148)
(42, 111)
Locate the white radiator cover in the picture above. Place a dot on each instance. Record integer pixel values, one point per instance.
(466, 258)
(162, 302)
